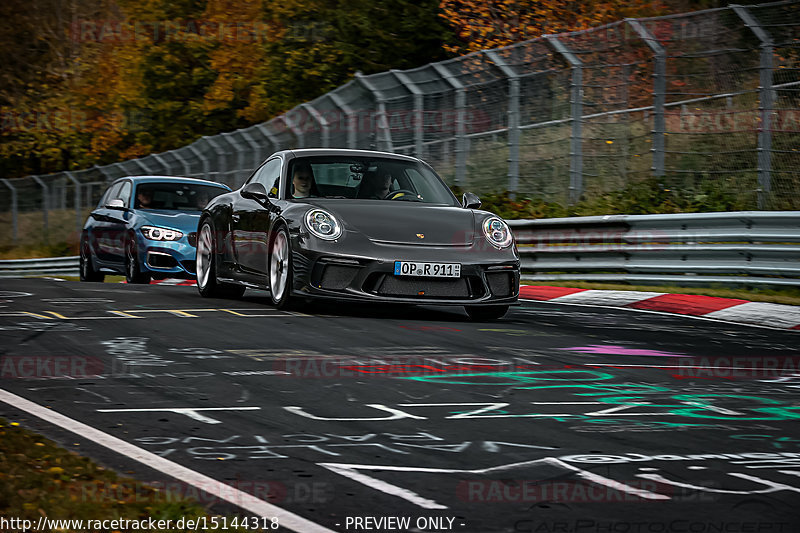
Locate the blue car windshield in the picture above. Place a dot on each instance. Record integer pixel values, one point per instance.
(366, 178)
(175, 196)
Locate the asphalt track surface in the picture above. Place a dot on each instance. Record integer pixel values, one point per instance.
(556, 418)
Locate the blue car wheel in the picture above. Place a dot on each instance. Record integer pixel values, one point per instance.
(87, 271)
(133, 273)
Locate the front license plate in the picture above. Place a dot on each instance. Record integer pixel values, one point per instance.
(427, 270)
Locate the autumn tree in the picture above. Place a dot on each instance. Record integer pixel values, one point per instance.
(485, 24)
(318, 45)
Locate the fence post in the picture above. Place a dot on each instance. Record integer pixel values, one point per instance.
(659, 93)
(461, 104)
(166, 167)
(419, 109)
(103, 170)
(323, 124)
(293, 127)
(513, 120)
(383, 123)
(352, 121)
(576, 137)
(237, 149)
(45, 202)
(766, 102)
(203, 159)
(139, 163)
(221, 155)
(262, 128)
(187, 170)
(78, 217)
(14, 208)
(254, 146)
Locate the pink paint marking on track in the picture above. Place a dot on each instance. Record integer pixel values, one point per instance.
(621, 350)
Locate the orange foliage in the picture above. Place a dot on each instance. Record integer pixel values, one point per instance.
(485, 24)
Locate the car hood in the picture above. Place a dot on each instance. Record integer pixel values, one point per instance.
(184, 221)
(404, 222)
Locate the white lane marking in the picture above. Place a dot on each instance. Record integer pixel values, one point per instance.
(386, 488)
(191, 412)
(246, 501)
(352, 471)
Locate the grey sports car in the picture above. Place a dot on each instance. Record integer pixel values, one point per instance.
(356, 225)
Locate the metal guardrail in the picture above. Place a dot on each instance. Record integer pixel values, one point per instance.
(52, 266)
(735, 248)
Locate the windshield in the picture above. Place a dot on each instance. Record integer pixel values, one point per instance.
(366, 178)
(175, 196)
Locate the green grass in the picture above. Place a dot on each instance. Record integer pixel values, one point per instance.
(39, 478)
(788, 296)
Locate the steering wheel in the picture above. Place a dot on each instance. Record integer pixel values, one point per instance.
(396, 195)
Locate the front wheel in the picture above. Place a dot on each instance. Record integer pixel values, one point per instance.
(133, 273)
(280, 270)
(207, 284)
(87, 271)
(485, 313)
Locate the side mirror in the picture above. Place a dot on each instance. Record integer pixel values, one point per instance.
(116, 203)
(470, 201)
(255, 191)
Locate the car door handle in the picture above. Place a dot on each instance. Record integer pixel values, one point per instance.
(235, 218)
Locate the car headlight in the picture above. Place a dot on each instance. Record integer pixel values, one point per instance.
(497, 232)
(161, 234)
(323, 224)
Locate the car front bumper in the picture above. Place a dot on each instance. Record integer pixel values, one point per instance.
(168, 258)
(488, 276)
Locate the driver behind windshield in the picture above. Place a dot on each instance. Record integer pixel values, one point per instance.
(376, 186)
(144, 198)
(303, 183)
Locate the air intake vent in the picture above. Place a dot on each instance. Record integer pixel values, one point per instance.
(337, 277)
(500, 283)
(161, 260)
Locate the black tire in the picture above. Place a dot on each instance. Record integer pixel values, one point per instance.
(87, 270)
(486, 313)
(207, 284)
(133, 274)
(280, 270)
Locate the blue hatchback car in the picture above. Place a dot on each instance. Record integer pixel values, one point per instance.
(145, 227)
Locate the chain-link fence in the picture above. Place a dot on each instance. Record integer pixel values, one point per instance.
(709, 99)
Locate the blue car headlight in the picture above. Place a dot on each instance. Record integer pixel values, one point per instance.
(497, 232)
(323, 225)
(155, 233)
